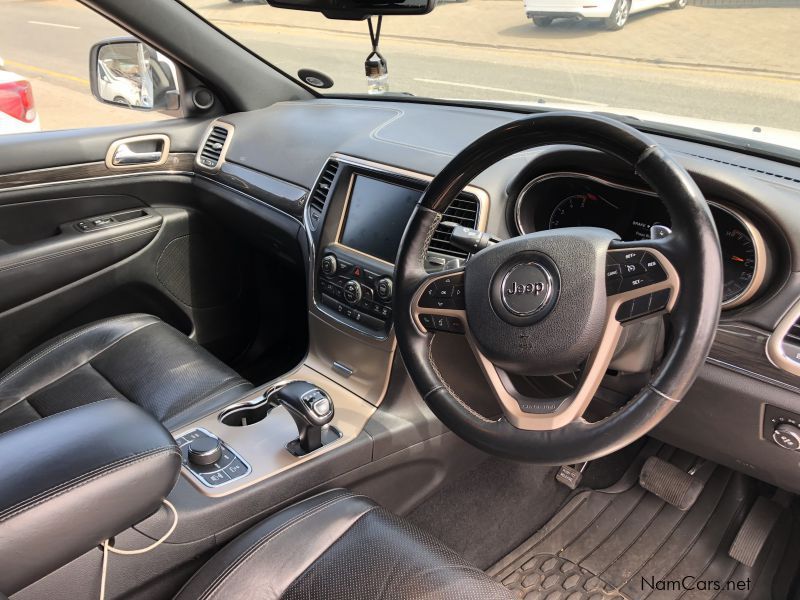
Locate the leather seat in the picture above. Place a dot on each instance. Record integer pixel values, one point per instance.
(339, 546)
(135, 357)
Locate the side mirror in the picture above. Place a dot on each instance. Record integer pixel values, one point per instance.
(126, 72)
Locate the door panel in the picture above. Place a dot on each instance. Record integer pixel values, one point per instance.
(77, 249)
(80, 241)
(222, 269)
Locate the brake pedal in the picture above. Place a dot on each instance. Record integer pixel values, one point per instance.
(668, 482)
(754, 531)
(571, 475)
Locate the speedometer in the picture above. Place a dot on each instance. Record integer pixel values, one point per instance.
(742, 256)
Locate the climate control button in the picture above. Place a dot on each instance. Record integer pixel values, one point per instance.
(384, 288)
(329, 265)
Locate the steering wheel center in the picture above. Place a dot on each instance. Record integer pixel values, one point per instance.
(545, 305)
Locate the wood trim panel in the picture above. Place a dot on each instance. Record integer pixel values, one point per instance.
(176, 162)
(742, 348)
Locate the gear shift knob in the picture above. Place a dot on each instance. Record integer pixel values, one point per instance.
(311, 408)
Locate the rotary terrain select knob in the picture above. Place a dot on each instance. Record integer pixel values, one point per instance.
(787, 436)
(352, 291)
(329, 265)
(205, 451)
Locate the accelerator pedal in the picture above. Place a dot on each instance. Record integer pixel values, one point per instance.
(668, 482)
(754, 531)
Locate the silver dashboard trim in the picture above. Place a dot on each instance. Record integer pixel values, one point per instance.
(775, 352)
(759, 269)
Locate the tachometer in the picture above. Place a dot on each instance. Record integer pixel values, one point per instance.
(585, 209)
(741, 262)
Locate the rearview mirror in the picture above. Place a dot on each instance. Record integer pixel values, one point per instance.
(358, 9)
(128, 73)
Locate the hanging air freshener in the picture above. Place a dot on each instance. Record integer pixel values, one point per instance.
(375, 66)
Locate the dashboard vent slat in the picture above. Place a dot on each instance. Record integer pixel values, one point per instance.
(211, 151)
(319, 196)
(462, 211)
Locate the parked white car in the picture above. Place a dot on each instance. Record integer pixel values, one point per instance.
(614, 13)
(119, 87)
(17, 107)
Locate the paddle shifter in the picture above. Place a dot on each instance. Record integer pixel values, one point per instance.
(312, 410)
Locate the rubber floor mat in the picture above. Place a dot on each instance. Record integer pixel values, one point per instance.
(625, 543)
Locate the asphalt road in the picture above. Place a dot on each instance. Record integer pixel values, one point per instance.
(49, 41)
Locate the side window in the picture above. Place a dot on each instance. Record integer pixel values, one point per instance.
(44, 71)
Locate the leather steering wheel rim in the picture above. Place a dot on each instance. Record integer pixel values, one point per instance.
(693, 249)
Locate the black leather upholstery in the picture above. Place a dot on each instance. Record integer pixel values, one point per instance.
(339, 546)
(75, 479)
(134, 357)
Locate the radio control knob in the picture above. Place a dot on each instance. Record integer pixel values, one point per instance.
(384, 288)
(787, 436)
(352, 291)
(329, 265)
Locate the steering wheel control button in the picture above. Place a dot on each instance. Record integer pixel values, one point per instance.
(527, 288)
(205, 450)
(643, 305)
(444, 293)
(659, 300)
(631, 269)
(442, 323)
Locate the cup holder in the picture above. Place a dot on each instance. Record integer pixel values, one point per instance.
(243, 415)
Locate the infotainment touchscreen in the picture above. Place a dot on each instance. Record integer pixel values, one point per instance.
(377, 215)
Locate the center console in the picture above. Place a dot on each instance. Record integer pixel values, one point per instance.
(355, 219)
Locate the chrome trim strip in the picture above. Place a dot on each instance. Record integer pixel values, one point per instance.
(759, 269)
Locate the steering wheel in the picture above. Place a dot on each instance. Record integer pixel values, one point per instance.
(553, 302)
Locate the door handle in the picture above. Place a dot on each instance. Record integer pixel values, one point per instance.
(143, 150)
(124, 155)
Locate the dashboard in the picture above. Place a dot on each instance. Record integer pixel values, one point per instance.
(572, 199)
(316, 162)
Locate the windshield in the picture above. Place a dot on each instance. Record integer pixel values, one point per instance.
(725, 66)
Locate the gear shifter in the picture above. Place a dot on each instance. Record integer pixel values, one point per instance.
(312, 409)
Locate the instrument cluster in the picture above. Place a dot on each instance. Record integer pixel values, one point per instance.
(575, 199)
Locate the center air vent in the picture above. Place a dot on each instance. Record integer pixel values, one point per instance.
(211, 154)
(462, 211)
(319, 197)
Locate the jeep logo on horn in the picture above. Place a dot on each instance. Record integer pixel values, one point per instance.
(527, 288)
